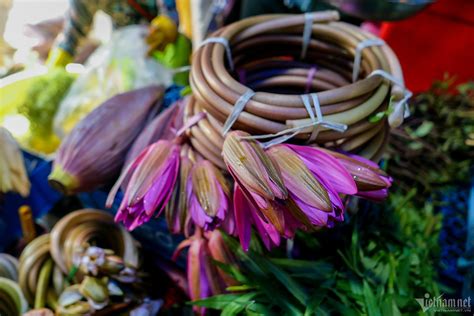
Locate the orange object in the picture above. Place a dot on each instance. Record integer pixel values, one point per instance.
(27, 223)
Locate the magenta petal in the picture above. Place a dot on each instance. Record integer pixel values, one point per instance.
(267, 231)
(363, 160)
(127, 173)
(205, 284)
(316, 216)
(223, 207)
(377, 196)
(200, 218)
(327, 167)
(228, 224)
(161, 190)
(242, 217)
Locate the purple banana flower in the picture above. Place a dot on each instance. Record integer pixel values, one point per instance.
(93, 153)
(152, 175)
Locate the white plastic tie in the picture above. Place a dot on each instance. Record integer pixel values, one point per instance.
(308, 28)
(316, 118)
(358, 54)
(407, 93)
(223, 41)
(238, 108)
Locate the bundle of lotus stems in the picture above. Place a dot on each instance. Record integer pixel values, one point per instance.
(270, 59)
(80, 266)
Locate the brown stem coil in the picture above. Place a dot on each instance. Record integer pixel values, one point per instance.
(266, 49)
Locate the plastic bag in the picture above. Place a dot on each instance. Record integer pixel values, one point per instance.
(117, 67)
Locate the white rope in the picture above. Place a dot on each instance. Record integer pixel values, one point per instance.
(238, 108)
(223, 41)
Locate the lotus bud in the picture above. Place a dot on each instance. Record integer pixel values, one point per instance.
(79, 308)
(246, 215)
(153, 176)
(70, 295)
(256, 174)
(177, 216)
(112, 265)
(298, 179)
(372, 182)
(221, 253)
(93, 153)
(208, 195)
(164, 127)
(96, 292)
(203, 278)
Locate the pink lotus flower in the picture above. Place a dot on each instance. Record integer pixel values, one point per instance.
(372, 182)
(289, 187)
(176, 212)
(203, 277)
(314, 180)
(257, 176)
(152, 178)
(207, 195)
(246, 215)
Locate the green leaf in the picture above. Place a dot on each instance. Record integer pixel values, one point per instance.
(403, 273)
(315, 270)
(464, 88)
(255, 309)
(239, 288)
(424, 129)
(315, 301)
(377, 117)
(238, 305)
(217, 301)
(389, 307)
(293, 287)
(370, 302)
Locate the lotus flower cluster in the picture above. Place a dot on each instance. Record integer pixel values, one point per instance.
(276, 191)
(288, 187)
(168, 175)
(93, 153)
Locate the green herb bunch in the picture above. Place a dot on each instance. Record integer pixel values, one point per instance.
(389, 261)
(434, 146)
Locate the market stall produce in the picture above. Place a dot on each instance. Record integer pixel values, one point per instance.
(278, 170)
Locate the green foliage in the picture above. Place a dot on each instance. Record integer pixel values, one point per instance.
(434, 147)
(386, 255)
(389, 261)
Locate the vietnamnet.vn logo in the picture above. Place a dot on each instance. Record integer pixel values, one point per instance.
(442, 304)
